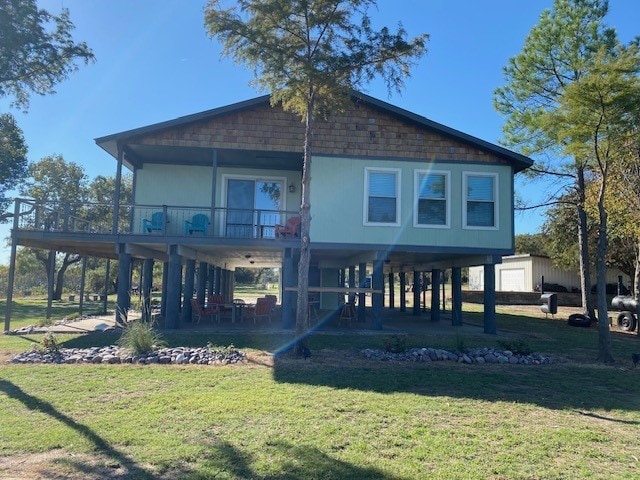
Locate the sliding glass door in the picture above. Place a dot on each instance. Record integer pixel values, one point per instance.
(253, 207)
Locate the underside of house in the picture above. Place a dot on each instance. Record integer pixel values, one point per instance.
(391, 192)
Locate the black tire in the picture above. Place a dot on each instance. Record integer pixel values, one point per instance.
(626, 321)
(579, 320)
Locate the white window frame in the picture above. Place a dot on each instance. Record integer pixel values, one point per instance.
(496, 209)
(447, 198)
(365, 211)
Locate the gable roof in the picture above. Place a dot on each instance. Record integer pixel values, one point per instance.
(519, 162)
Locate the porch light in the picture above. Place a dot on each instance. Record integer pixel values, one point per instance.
(292, 188)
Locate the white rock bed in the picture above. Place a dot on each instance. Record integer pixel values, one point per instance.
(114, 355)
(472, 356)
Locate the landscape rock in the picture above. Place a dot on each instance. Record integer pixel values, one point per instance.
(478, 356)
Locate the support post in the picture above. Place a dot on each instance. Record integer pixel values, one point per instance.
(12, 269)
(147, 283)
(403, 291)
(203, 269)
(211, 276)
(51, 275)
(174, 285)
(218, 280)
(124, 286)
(377, 299)
(416, 293)
(490, 299)
(116, 195)
(362, 298)
(288, 297)
(106, 285)
(392, 293)
(83, 278)
(165, 281)
(435, 295)
(189, 282)
(456, 296)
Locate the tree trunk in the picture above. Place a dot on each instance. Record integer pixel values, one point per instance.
(583, 243)
(604, 343)
(302, 306)
(66, 262)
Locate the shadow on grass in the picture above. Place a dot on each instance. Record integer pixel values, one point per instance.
(580, 387)
(300, 462)
(35, 404)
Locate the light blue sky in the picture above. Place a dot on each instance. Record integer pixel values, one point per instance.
(155, 62)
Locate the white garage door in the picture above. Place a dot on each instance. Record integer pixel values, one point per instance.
(512, 280)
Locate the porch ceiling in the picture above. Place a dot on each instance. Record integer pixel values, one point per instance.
(138, 155)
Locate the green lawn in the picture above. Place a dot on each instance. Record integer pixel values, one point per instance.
(335, 415)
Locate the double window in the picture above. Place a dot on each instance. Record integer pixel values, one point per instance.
(431, 208)
(480, 205)
(382, 200)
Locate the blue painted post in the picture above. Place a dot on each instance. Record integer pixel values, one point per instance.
(392, 293)
(456, 296)
(362, 298)
(403, 291)
(147, 283)
(416, 293)
(218, 281)
(174, 285)
(189, 283)
(203, 268)
(490, 299)
(165, 281)
(211, 276)
(435, 295)
(377, 299)
(124, 287)
(288, 296)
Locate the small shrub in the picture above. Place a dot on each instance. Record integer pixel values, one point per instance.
(140, 337)
(395, 344)
(517, 346)
(460, 344)
(48, 344)
(44, 322)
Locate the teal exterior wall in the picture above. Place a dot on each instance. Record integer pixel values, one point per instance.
(338, 198)
(179, 185)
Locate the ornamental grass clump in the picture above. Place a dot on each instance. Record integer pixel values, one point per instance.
(141, 337)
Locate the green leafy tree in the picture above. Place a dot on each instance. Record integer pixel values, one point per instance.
(62, 186)
(13, 159)
(36, 50)
(310, 55)
(533, 244)
(597, 117)
(100, 194)
(559, 50)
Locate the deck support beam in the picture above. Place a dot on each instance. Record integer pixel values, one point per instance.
(147, 283)
(12, 270)
(288, 297)
(174, 283)
(456, 296)
(124, 286)
(203, 271)
(362, 297)
(435, 295)
(490, 299)
(392, 292)
(416, 293)
(403, 291)
(189, 283)
(377, 299)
